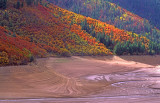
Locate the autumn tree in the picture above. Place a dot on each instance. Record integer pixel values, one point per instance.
(3, 58)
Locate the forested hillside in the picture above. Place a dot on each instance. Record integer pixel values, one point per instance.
(112, 14)
(30, 29)
(149, 9)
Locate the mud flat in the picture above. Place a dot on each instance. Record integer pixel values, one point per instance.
(111, 79)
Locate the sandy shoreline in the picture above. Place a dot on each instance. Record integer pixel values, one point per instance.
(79, 66)
(66, 77)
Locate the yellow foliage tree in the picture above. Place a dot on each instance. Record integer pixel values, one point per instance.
(3, 58)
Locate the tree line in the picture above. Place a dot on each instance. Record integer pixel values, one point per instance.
(108, 12)
(122, 48)
(18, 4)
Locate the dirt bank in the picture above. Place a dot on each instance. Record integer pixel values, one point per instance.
(81, 66)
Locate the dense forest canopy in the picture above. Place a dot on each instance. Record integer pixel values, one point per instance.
(149, 9)
(113, 14)
(37, 28)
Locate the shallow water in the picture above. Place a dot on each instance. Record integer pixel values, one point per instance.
(142, 82)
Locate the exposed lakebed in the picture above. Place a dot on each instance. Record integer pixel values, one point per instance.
(81, 80)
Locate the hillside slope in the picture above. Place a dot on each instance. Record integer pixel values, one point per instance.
(113, 14)
(40, 29)
(148, 9)
(34, 31)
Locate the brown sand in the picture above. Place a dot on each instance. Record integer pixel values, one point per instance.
(64, 77)
(78, 66)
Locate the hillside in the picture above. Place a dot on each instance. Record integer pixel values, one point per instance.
(148, 9)
(32, 29)
(16, 50)
(112, 14)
